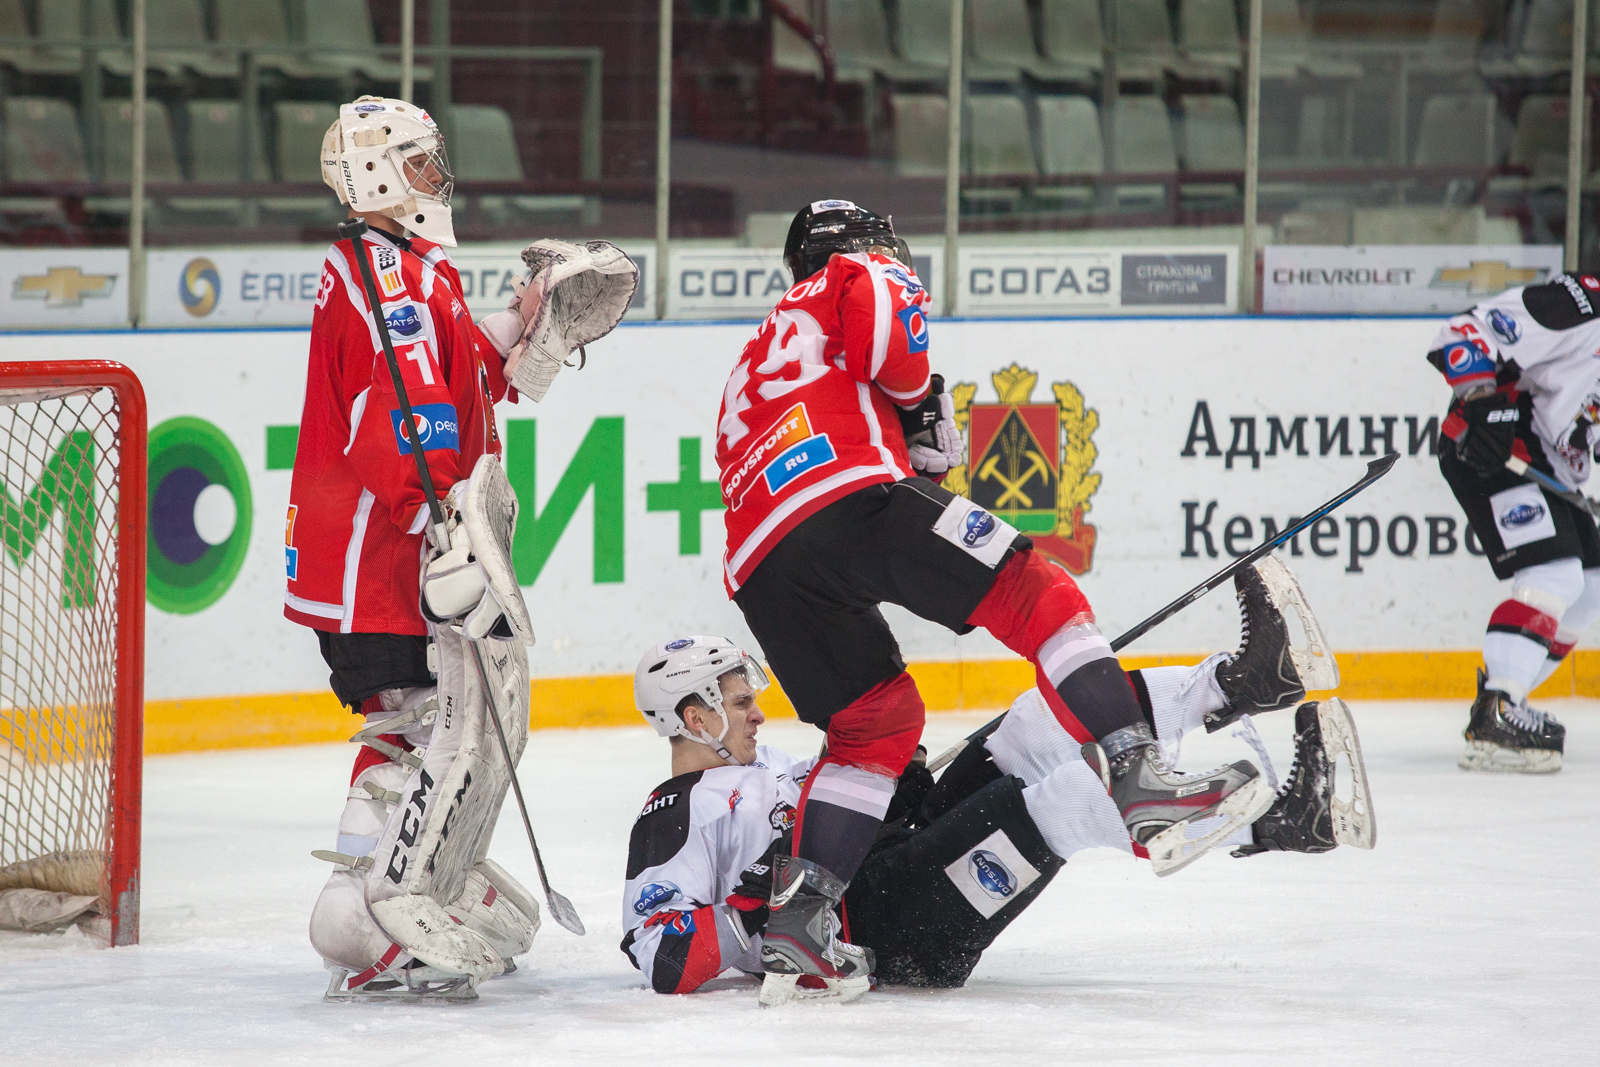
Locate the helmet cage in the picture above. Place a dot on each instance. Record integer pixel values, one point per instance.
(840, 232)
(412, 161)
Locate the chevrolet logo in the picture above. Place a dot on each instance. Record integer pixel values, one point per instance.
(63, 287)
(1486, 277)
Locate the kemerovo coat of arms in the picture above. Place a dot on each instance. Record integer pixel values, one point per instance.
(1030, 463)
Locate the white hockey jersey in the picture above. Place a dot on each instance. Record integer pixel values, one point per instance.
(691, 842)
(1543, 340)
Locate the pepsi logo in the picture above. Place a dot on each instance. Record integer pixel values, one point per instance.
(1521, 515)
(978, 528)
(1589, 281)
(424, 428)
(991, 875)
(1460, 356)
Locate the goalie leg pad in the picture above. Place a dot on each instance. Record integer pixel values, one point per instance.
(497, 908)
(342, 930)
(929, 902)
(440, 827)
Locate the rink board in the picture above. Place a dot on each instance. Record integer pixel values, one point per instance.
(1164, 447)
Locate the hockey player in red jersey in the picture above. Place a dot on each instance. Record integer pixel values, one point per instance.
(830, 442)
(355, 551)
(1526, 380)
(961, 857)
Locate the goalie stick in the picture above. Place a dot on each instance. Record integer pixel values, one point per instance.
(1375, 470)
(560, 907)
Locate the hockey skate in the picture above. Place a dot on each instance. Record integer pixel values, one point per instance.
(1269, 672)
(1158, 803)
(1307, 816)
(800, 951)
(1502, 736)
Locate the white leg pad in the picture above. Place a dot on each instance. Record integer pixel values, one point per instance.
(496, 907)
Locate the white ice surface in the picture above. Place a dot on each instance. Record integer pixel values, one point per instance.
(1470, 935)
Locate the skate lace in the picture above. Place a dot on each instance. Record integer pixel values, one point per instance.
(1528, 717)
(1244, 623)
(1247, 733)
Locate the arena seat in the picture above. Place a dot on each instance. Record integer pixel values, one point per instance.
(793, 54)
(1070, 33)
(1208, 33)
(42, 144)
(1540, 144)
(1452, 48)
(1458, 130)
(923, 36)
(62, 20)
(859, 37)
(1286, 48)
(1142, 144)
(1001, 45)
(214, 156)
(299, 127)
(1070, 144)
(486, 150)
(1144, 40)
(1212, 139)
(332, 23)
(264, 22)
(181, 24)
(116, 143)
(998, 144)
(921, 133)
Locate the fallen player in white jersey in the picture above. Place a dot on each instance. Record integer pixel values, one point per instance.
(961, 857)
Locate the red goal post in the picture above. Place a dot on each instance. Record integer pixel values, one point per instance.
(73, 470)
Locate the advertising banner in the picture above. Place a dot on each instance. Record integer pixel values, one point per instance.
(63, 288)
(1140, 474)
(1397, 279)
(208, 288)
(745, 283)
(1028, 281)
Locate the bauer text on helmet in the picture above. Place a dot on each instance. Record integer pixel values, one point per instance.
(707, 672)
(386, 157)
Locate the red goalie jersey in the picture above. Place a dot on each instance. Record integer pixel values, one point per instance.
(353, 543)
(808, 415)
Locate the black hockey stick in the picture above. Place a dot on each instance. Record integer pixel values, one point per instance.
(1375, 470)
(1553, 487)
(560, 907)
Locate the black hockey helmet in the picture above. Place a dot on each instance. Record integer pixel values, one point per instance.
(827, 227)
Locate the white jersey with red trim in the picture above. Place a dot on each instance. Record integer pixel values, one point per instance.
(690, 844)
(1545, 339)
(808, 415)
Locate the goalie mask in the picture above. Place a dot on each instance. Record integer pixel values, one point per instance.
(831, 227)
(387, 156)
(692, 666)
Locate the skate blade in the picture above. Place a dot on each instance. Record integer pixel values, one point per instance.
(1488, 756)
(1314, 660)
(779, 989)
(457, 990)
(1170, 851)
(1354, 822)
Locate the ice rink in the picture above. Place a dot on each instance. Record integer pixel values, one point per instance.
(1470, 935)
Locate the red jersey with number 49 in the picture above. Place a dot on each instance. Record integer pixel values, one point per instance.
(353, 542)
(808, 415)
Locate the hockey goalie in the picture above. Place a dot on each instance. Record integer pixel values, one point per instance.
(414, 908)
(712, 882)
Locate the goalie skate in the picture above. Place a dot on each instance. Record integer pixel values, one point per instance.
(414, 983)
(1269, 671)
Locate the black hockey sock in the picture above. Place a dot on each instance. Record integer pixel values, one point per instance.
(1100, 696)
(836, 838)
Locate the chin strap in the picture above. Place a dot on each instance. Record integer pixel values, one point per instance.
(716, 743)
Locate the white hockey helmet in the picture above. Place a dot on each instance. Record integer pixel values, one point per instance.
(691, 666)
(387, 156)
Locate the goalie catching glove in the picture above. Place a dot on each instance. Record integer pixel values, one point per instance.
(933, 440)
(574, 295)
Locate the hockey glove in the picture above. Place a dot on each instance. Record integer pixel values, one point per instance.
(932, 437)
(453, 586)
(749, 898)
(1491, 433)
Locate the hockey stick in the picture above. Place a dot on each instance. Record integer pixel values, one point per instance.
(1375, 470)
(560, 907)
(1553, 487)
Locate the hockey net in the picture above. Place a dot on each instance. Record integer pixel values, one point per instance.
(72, 533)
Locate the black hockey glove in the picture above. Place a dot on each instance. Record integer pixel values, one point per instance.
(932, 438)
(913, 785)
(1491, 431)
(749, 898)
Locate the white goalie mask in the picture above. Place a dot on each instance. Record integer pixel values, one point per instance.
(691, 666)
(387, 156)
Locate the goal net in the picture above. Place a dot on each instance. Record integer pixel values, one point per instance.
(72, 531)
